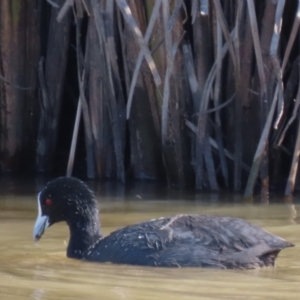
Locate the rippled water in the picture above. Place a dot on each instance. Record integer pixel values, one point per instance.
(42, 271)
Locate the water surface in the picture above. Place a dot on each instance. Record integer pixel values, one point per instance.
(42, 271)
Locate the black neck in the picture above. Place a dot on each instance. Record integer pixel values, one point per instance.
(84, 232)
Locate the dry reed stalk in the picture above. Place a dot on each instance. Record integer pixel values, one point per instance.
(97, 107)
(240, 85)
(201, 128)
(289, 46)
(257, 47)
(260, 150)
(89, 143)
(169, 58)
(189, 63)
(57, 51)
(68, 4)
(52, 3)
(202, 120)
(139, 60)
(291, 87)
(225, 30)
(111, 47)
(295, 161)
(274, 57)
(112, 103)
(175, 151)
(44, 112)
(79, 9)
(292, 38)
(203, 49)
(266, 36)
(194, 10)
(260, 155)
(291, 120)
(127, 14)
(145, 160)
(214, 145)
(217, 98)
(74, 140)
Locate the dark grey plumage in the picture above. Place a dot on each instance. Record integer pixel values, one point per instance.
(178, 241)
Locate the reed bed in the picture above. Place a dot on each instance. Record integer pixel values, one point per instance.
(202, 93)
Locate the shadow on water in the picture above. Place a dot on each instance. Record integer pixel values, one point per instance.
(42, 271)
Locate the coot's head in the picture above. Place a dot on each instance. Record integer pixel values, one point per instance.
(63, 199)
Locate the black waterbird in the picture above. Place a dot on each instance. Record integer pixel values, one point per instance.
(178, 241)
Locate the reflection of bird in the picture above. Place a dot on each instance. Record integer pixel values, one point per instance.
(179, 241)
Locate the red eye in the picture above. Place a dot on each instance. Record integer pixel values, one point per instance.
(48, 202)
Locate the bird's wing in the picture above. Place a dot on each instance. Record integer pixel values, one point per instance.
(188, 240)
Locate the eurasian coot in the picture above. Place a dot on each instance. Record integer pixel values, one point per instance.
(178, 241)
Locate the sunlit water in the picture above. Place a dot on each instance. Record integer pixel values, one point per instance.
(42, 271)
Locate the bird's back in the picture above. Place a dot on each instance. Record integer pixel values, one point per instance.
(190, 241)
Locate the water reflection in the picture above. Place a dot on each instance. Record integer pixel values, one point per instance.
(292, 208)
(41, 271)
(38, 294)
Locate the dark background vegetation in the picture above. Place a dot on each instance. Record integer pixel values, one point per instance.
(201, 94)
